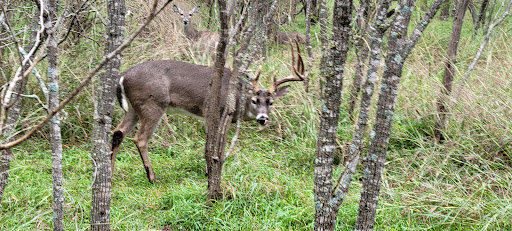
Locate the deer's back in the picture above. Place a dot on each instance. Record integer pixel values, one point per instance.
(287, 36)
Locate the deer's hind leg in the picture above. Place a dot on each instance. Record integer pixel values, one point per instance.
(150, 116)
(120, 132)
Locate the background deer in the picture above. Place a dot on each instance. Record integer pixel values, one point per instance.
(204, 41)
(286, 37)
(147, 90)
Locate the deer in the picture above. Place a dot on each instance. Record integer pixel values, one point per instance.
(287, 37)
(205, 41)
(148, 90)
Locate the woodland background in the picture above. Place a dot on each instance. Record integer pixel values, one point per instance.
(461, 183)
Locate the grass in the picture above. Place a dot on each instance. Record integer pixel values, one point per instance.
(461, 184)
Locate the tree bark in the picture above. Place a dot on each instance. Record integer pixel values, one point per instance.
(308, 40)
(361, 50)
(213, 150)
(55, 132)
(101, 150)
(326, 206)
(322, 19)
(398, 51)
(262, 7)
(376, 36)
(449, 69)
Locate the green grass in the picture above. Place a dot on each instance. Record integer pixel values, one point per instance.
(461, 184)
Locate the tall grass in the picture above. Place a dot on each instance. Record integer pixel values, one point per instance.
(461, 184)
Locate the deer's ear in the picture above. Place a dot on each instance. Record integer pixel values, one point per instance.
(281, 91)
(176, 9)
(195, 10)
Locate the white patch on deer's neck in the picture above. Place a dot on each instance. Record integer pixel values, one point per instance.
(124, 101)
(174, 110)
(250, 115)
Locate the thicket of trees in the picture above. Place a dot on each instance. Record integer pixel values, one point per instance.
(378, 34)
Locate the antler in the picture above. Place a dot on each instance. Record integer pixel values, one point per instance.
(254, 80)
(296, 72)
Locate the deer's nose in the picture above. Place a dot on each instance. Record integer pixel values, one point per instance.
(262, 120)
(185, 22)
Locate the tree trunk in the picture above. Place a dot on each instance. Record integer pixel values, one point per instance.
(325, 206)
(214, 148)
(101, 150)
(14, 112)
(322, 19)
(472, 10)
(308, 28)
(55, 133)
(398, 51)
(315, 12)
(449, 69)
(481, 16)
(361, 50)
(308, 40)
(262, 7)
(377, 34)
(445, 11)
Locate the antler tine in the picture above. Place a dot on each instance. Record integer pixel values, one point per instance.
(300, 61)
(254, 80)
(296, 72)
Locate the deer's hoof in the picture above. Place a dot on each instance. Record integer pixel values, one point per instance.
(150, 175)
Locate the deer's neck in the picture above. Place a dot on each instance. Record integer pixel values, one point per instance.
(191, 32)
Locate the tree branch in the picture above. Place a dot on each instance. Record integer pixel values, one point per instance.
(481, 49)
(422, 25)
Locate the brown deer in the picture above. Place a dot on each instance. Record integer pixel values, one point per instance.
(287, 37)
(204, 41)
(147, 90)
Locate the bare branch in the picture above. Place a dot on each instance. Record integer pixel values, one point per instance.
(17, 77)
(481, 49)
(422, 25)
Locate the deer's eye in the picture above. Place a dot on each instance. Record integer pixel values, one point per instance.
(254, 101)
(190, 15)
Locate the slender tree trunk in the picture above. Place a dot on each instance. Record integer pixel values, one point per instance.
(315, 12)
(361, 49)
(481, 16)
(14, 112)
(445, 11)
(325, 206)
(308, 40)
(214, 149)
(472, 10)
(101, 150)
(323, 15)
(55, 133)
(377, 35)
(262, 9)
(308, 28)
(398, 51)
(449, 69)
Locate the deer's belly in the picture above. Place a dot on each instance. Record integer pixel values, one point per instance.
(175, 110)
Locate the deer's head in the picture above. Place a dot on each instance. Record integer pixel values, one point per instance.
(186, 16)
(261, 100)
